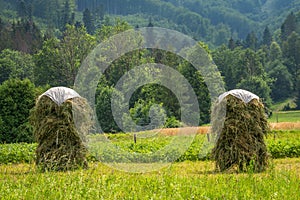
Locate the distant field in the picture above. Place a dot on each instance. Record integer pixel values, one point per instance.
(290, 116)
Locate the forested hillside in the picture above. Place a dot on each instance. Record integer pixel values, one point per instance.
(211, 21)
(254, 43)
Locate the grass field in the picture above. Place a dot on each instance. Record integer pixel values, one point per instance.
(186, 180)
(291, 116)
(181, 180)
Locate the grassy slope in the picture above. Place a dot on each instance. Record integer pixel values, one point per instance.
(187, 180)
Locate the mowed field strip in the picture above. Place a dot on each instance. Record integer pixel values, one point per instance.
(285, 126)
(287, 121)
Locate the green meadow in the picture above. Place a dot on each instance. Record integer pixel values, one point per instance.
(183, 180)
(290, 116)
(187, 178)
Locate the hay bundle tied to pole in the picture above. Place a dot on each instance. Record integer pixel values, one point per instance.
(61, 121)
(240, 124)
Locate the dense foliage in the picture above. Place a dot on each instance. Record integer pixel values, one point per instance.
(17, 153)
(17, 98)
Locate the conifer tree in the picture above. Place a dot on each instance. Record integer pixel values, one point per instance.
(231, 44)
(251, 41)
(66, 15)
(267, 37)
(288, 26)
(88, 21)
(21, 9)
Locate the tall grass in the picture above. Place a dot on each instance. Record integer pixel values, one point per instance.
(186, 180)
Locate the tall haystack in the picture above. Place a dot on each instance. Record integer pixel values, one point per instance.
(240, 140)
(61, 141)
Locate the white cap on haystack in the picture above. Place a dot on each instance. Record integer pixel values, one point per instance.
(244, 95)
(60, 94)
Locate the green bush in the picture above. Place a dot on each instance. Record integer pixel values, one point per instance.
(17, 153)
(172, 122)
(17, 98)
(284, 148)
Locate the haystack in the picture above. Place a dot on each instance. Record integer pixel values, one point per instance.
(61, 142)
(240, 140)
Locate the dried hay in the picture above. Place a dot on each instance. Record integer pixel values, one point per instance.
(61, 145)
(285, 126)
(184, 131)
(240, 143)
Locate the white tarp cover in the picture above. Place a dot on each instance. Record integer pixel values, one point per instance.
(60, 94)
(244, 95)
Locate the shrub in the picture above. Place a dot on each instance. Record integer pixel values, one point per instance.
(172, 122)
(284, 148)
(17, 98)
(17, 153)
